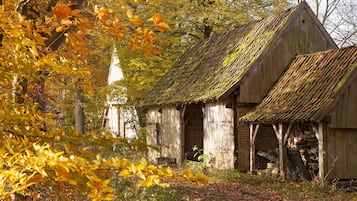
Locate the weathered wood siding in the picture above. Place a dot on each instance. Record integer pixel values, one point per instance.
(342, 148)
(167, 121)
(153, 117)
(344, 114)
(301, 35)
(342, 137)
(218, 140)
(171, 133)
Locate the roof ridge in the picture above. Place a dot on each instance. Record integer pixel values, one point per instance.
(250, 23)
(326, 51)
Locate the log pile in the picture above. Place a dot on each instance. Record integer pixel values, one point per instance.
(307, 144)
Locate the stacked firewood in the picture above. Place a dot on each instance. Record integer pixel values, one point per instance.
(307, 145)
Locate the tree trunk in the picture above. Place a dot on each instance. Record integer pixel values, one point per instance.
(78, 111)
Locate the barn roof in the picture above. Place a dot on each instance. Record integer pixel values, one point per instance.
(309, 89)
(214, 66)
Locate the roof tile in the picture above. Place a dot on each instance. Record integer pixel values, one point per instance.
(212, 67)
(309, 87)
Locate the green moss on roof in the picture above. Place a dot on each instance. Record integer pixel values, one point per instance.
(308, 88)
(212, 67)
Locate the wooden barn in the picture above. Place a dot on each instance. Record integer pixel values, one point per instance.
(316, 95)
(218, 80)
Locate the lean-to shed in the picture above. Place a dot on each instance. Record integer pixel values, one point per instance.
(216, 81)
(317, 94)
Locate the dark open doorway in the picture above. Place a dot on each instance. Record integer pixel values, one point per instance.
(193, 131)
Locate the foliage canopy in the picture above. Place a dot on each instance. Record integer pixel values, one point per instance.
(56, 43)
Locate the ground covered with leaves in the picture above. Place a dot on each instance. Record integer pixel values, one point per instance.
(223, 185)
(233, 185)
(227, 185)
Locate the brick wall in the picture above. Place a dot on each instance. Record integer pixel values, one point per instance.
(265, 141)
(243, 141)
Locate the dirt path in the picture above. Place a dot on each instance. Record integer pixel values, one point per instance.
(221, 191)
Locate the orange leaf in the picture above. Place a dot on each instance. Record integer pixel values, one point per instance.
(135, 20)
(62, 174)
(62, 11)
(104, 15)
(156, 18)
(162, 26)
(34, 179)
(153, 51)
(121, 36)
(139, 31)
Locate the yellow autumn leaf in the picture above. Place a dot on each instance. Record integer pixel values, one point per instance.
(125, 173)
(187, 174)
(72, 182)
(151, 168)
(145, 183)
(141, 175)
(107, 189)
(109, 197)
(132, 168)
(60, 28)
(169, 172)
(162, 26)
(154, 178)
(129, 13)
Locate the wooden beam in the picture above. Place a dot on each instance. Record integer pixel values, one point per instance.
(319, 135)
(282, 139)
(276, 131)
(287, 134)
(253, 130)
(183, 125)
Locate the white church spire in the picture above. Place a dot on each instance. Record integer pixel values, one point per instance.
(119, 119)
(115, 72)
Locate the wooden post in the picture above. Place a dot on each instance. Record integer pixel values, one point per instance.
(282, 139)
(182, 138)
(253, 134)
(319, 135)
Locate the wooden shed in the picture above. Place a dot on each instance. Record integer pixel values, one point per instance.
(317, 94)
(216, 81)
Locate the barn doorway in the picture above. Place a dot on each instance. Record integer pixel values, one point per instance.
(193, 121)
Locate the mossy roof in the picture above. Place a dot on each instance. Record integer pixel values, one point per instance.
(309, 89)
(212, 67)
